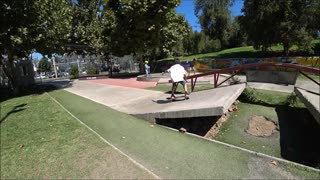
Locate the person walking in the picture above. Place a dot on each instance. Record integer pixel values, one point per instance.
(178, 75)
(191, 67)
(147, 68)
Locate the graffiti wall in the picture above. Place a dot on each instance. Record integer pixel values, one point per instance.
(221, 63)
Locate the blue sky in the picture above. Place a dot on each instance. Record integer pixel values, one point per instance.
(187, 8)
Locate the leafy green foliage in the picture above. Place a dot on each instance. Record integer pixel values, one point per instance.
(74, 72)
(288, 22)
(215, 18)
(91, 27)
(92, 70)
(143, 24)
(44, 65)
(54, 26)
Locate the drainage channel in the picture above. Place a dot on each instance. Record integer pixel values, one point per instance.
(195, 125)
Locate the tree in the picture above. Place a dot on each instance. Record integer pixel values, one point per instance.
(139, 24)
(170, 35)
(26, 25)
(238, 36)
(91, 27)
(288, 22)
(215, 18)
(44, 65)
(17, 32)
(54, 26)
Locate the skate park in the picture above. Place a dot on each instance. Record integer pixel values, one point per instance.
(150, 105)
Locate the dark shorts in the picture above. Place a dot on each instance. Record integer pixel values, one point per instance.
(181, 82)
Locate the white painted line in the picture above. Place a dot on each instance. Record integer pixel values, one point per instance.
(104, 140)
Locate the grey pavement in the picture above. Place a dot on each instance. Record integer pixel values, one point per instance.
(149, 104)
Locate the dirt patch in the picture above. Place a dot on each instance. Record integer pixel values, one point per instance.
(261, 126)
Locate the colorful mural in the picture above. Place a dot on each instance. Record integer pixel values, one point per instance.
(221, 63)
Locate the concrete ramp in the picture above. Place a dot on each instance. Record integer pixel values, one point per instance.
(311, 99)
(214, 102)
(148, 105)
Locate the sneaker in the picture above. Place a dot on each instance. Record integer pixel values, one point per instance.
(173, 97)
(187, 96)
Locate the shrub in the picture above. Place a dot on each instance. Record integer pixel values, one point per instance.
(92, 70)
(74, 72)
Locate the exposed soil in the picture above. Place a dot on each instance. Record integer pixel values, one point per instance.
(261, 126)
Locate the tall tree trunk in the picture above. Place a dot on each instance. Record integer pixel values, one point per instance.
(11, 73)
(286, 46)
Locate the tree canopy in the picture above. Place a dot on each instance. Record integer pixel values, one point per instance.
(44, 65)
(289, 22)
(142, 24)
(215, 18)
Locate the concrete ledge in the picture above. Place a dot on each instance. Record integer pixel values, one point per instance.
(150, 78)
(311, 101)
(214, 102)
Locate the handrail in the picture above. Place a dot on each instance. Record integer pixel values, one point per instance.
(248, 66)
(238, 69)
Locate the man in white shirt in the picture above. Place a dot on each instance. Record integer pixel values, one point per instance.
(178, 75)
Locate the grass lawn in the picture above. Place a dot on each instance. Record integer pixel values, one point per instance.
(39, 140)
(314, 77)
(244, 52)
(298, 129)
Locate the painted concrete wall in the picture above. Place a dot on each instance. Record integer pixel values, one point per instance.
(277, 77)
(221, 63)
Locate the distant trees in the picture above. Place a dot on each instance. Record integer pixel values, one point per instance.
(215, 19)
(289, 22)
(264, 23)
(44, 65)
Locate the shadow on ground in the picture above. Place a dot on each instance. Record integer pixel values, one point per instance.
(195, 125)
(299, 136)
(39, 88)
(15, 109)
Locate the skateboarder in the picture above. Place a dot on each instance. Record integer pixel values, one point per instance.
(178, 75)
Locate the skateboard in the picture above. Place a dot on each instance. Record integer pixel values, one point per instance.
(178, 98)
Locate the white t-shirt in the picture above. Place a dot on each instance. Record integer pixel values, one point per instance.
(177, 72)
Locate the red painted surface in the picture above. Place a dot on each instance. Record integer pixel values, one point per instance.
(127, 82)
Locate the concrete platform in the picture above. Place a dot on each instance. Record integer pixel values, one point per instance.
(149, 104)
(214, 102)
(311, 99)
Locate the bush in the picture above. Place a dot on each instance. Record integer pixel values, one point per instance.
(74, 72)
(316, 49)
(92, 70)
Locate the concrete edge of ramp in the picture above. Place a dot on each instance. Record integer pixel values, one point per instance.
(217, 111)
(311, 101)
(198, 109)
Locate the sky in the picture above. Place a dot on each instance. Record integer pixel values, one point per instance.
(187, 8)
